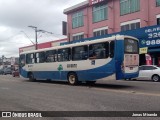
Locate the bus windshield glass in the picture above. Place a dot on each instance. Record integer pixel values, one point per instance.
(131, 46)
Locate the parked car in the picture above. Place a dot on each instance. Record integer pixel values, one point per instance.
(1, 71)
(149, 72)
(7, 71)
(15, 73)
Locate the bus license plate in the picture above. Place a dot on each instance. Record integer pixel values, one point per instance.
(131, 68)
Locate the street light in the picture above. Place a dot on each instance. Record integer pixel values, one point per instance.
(35, 28)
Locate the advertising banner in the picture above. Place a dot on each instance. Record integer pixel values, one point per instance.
(148, 59)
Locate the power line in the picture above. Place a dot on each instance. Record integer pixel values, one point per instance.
(28, 37)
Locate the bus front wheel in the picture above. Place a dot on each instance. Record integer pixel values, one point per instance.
(72, 78)
(31, 77)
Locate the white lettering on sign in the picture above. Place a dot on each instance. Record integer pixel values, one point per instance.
(154, 35)
(153, 42)
(92, 2)
(152, 30)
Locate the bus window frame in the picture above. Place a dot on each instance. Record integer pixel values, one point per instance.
(40, 58)
(83, 57)
(22, 61)
(59, 59)
(111, 49)
(52, 58)
(32, 59)
(94, 54)
(125, 52)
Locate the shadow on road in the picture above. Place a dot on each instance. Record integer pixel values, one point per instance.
(143, 80)
(110, 86)
(96, 85)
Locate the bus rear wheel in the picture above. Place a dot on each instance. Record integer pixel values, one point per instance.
(72, 78)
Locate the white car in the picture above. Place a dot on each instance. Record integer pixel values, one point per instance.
(149, 72)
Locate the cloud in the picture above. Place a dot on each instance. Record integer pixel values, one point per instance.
(16, 15)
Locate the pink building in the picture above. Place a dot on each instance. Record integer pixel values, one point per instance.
(98, 17)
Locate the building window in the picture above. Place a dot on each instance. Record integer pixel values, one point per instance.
(100, 31)
(158, 21)
(129, 6)
(100, 12)
(78, 36)
(157, 2)
(77, 20)
(131, 25)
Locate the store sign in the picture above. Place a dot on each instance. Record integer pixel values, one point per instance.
(153, 36)
(148, 36)
(143, 50)
(92, 2)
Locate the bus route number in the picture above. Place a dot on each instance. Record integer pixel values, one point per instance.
(71, 65)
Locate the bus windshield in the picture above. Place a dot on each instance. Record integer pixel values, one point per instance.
(131, 46)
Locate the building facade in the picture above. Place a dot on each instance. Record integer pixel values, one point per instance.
(139, 18)
(42, 45)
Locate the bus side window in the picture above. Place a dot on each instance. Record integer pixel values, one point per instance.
(30, 58)
(40, 57)
(80, 53)
(22, 60)
(64, 54)
(107, 49)
(51, 56)
(98, 51)
(112, 45)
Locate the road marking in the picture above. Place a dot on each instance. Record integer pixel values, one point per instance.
(127, 92)
(4, 88)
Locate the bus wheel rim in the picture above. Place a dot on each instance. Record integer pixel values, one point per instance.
(72, 79)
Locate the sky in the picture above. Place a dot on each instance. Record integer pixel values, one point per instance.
(17, 15)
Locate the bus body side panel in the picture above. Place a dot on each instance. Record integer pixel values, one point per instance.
(86, 72)
(97, 73)
(119, 58)
(23, 72)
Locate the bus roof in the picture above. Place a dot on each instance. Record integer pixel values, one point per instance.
(117, 37)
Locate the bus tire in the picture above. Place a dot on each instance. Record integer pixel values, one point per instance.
(72, 78)
(31, 77)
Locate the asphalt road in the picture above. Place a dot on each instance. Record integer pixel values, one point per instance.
(17, 94)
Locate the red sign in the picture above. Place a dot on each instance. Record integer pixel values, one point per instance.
(148, 59)
(92, 2)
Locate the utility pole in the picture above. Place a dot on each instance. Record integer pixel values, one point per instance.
(36, 30)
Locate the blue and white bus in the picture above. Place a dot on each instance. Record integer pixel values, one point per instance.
(89, 61)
